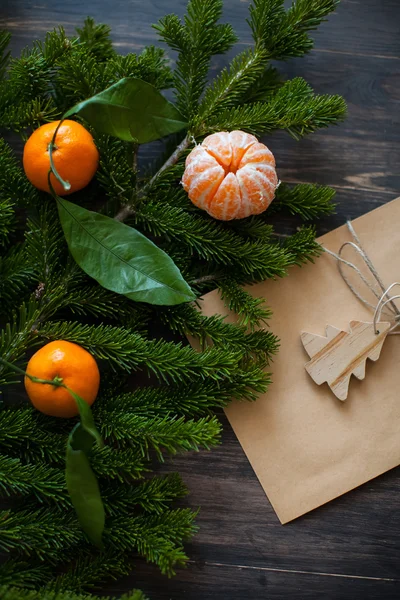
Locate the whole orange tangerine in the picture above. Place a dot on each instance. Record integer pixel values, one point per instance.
(231, 175)
(72, 364)
(75, 157)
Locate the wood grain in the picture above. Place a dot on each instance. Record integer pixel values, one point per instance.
(350, 548)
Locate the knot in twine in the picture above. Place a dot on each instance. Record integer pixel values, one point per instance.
(385, 304)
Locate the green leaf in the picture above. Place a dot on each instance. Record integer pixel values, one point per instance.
(86, 416)
(82, 485)
(120, 258)
(132, 110)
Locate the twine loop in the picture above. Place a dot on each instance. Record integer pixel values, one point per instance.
(385, 303)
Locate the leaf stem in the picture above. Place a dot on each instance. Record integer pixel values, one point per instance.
(57, 381)
(135, 159)
(128, 210)
(172, 160)
(51, 147)
(205, 279)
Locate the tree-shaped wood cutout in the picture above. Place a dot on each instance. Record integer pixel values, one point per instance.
(341, 354)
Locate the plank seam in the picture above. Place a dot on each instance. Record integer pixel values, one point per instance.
(294, 571)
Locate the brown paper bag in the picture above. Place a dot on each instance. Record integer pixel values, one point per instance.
(306, 446)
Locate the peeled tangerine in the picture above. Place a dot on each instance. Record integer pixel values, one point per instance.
(231, 175)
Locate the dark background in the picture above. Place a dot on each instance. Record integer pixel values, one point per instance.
(349, 548)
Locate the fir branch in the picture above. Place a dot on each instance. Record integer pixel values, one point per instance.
(121, 465)
(199, 38)
(5, 54)
(16, 337)
(168, 433)
(151, 66)
(17, 593)
(293, 108)
(88, 299)
(125, 350)
(158, 538)
(32, 114)
(42, 533)
(96, 39)
(79, 76)
(27, 437)
(87, 572)
(153, 495)
(20, 573)
(192, 399)
(55, 45)
(14, 187)
(253, 227)
(13, 182)
(189, 321)
(7, 220)
(265, 86)
(22, 434)
(209, 241)
(283, 34)
(50, 533)
(252, 312)
(306, 200)
(17, 277)
(303, 246)
(45, 244)
(44, 482)
(29, 75)
(115, 173)
(228, 89)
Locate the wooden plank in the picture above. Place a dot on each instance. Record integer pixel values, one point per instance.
(208, 581)
(363, 27)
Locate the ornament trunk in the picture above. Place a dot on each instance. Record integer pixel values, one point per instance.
(45, 296)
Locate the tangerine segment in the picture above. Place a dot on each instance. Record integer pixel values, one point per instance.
(219, 146)
(202, 177)
(204, 185)
(200, 156)
(78, 371)
(257, 153)
(241, 142)
(257, 192)
(267, 171)
(75, 157)
(227, 201)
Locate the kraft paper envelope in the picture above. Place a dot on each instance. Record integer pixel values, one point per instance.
(306, 446)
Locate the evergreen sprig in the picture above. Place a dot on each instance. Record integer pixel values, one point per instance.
(305, 200)
(24, 574)
(40, 480)
(283, 34)
(17, 276)
(5, 38)
(196, 40)
(231, 85)
(294, 108)
(16, 593)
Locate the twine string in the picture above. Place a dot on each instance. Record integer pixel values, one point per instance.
(385, 304)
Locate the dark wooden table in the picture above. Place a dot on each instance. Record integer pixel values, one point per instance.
(350, 548)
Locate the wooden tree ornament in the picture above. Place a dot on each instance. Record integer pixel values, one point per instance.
(341, 354)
